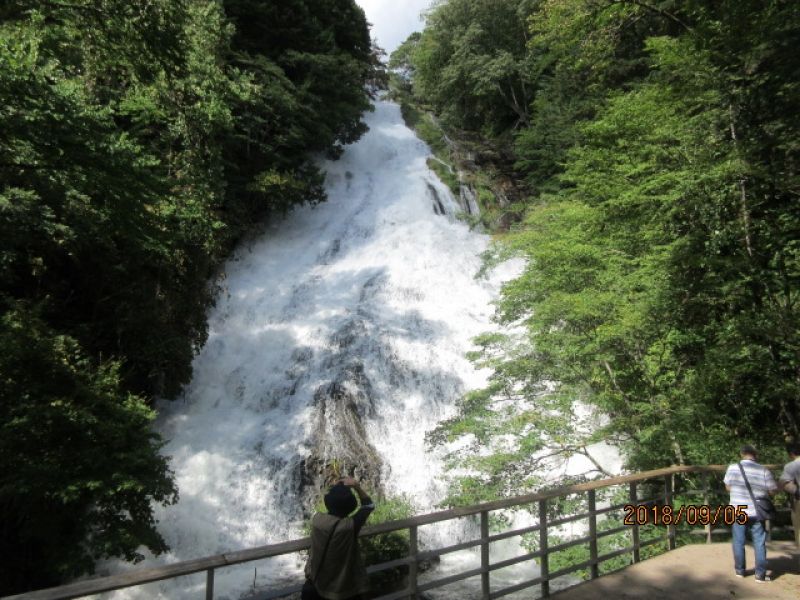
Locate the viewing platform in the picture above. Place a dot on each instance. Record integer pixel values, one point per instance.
(600, 531)
(702, 571)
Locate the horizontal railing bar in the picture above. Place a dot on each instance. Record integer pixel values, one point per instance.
(569, 544)
(513, 561)
(655, 500)
(390, 564)
(588, 563)
(608, 509)
(614, 507)
(251, 554)
(569, 519)
(507, 534)
(651, 541)
(515, 588)
(190, 567)
(605, 532)
(571, 569)
(616, 553)
(619, 568)
(428, 554)
(466, 511)
(448, 580)
(115, 582)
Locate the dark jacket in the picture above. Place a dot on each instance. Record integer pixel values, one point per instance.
(341, 574)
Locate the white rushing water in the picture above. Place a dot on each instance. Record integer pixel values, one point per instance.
(373, 291)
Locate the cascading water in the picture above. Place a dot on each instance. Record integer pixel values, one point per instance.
(339, 335)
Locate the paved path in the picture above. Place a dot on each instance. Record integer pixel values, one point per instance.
(703, 571)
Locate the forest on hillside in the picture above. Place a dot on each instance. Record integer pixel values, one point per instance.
(655, 146)
(138, 142)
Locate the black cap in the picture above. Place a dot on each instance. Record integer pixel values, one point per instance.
(340, 500)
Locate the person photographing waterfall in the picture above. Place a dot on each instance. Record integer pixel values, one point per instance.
(334, 570)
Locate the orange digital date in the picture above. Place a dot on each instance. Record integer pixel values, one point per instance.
(691, 514)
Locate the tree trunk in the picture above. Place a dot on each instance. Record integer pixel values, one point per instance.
(743, 206)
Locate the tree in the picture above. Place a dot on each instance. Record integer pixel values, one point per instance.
(79, 465)
(470, 64)
(657, 302)
(139, 141)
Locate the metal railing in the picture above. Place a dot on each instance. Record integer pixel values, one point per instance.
(539, 503)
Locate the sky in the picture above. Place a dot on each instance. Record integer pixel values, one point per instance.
(393, 20)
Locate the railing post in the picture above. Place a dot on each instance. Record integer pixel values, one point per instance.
(210, 584)
(544, 566)
(706, 489)
(413, 549)
(668, 492)
(485, 555)
(594, 570)
(634, 500)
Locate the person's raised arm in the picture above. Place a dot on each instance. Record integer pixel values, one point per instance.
(367, 505)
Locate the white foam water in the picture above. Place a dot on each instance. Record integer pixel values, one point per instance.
(384, 262)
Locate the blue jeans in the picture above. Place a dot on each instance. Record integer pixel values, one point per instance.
(759, 536)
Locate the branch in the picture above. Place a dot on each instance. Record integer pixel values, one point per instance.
(657, 10)
(584, 452)
(512, 104)
(614, 379)
(742, 189)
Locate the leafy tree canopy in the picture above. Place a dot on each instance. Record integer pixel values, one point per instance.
(657, 310)
(139, 141)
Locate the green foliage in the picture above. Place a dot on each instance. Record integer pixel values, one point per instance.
(430, 131)
(469, 63)
(388, 546)
(656, 310)
(79, 465)
(140, 141)
(608, 541)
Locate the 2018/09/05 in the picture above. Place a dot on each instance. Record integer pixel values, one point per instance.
(691, 514)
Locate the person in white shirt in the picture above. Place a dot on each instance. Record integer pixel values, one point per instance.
(762, 485)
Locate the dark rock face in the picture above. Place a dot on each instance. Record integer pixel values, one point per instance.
(340, 445)
(467, 198)
(438, 207)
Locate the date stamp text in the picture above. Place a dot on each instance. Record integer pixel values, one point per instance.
(691, 514)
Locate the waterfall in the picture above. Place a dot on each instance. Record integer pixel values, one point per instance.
(339, 334)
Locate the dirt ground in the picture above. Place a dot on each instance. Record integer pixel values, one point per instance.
(697, 571)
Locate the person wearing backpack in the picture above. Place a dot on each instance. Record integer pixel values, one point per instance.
(750, 485)
(790, 483)
(334, 570)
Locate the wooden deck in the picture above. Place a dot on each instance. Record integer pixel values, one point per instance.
(703, 571)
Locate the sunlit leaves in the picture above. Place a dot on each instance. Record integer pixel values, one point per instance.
(139, 141)
(659, 234)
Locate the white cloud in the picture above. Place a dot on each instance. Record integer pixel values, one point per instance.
(393, 20)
